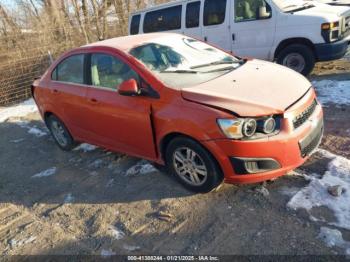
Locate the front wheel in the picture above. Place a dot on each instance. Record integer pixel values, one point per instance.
(192, 165)
(298, 57)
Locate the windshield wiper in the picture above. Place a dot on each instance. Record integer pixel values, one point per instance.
(180, 71)
(220, 69)
(218, 63)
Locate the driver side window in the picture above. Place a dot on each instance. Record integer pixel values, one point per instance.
(109, 72)
(251, 10)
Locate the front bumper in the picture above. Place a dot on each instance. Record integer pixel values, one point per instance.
(332, 51)
(290, 149)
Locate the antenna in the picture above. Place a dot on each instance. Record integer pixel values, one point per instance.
(50, 57)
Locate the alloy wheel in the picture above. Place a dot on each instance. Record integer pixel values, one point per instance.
(189, 166)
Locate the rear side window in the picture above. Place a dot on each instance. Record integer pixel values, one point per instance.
(135, 24)
(70, 70)
(163, 20)
(192, 14)
(214, 12)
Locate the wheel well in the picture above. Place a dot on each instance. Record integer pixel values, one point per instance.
(46, 116)
(166, 140)
(169, 137)
(290, 41)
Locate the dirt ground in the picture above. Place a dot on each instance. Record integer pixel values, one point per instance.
(89, 201)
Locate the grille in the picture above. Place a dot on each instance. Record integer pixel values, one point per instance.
(304, 116)
(312, 142)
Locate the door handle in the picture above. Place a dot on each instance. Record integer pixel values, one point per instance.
(233, 37)
(55, 91)
(93, 100)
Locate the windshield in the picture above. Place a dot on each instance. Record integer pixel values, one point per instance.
(182, 62)
(293, 5)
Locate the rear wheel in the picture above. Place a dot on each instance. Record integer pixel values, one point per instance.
(298, 57)
(192, 165)
(60, 133)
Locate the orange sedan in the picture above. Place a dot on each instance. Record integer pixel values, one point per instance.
(206, 115)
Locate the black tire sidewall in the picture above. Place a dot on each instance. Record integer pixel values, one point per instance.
(214, 177)
(70, 141)
(303, 50)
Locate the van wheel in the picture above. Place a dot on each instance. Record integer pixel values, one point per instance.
(192, 165)
(60, 133)
(298, 57)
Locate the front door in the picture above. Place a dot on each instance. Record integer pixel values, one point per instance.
(216, 22)
(121, 123)
(253, 27)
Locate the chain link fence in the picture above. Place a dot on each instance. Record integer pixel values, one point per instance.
(30, 32)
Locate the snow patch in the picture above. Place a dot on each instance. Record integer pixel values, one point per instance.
(130, 248)
(19, 110)
(96, 164)
(316, 193)
(37, 132)
(141, 168)
(331, 91)
(46, 173)
(16, 243)
(107, 253)
(85, 148)
(289, 191)
(68, 198)
(33, 130)
(334, 238)
(17, 140)
(116, 232)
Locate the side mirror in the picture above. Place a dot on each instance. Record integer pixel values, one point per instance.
(129, 88)
(263, 13)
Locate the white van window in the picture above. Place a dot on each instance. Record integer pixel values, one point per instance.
(192, 14)
(163, 19)
(214, 12)
(249, 10)
(182, 62)
(135, 24)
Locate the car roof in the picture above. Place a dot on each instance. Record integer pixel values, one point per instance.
(126, 43)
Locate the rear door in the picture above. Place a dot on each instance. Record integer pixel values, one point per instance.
(216, 23)
(69, 92)
(121, 123)
(253, 36)
(192, 19)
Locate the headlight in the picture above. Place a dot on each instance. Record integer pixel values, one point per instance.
(269, 125)
(247, 128)
(331, 31)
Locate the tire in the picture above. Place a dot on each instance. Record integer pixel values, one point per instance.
(60, 133)
(291, 55)
(196, 169)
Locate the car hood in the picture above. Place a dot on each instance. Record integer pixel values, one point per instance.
(256, 88)
(325, 10)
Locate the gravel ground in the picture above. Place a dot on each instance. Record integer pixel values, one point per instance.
(91, 201)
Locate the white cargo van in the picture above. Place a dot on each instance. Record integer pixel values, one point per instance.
(335, 2)
(293, 33)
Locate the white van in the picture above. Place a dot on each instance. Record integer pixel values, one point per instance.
(335, 2)
(293, 33)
